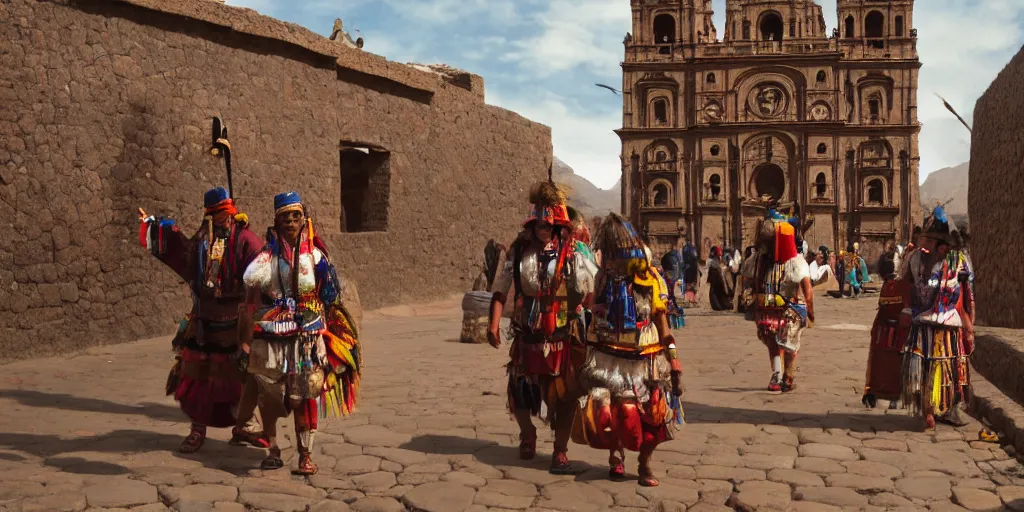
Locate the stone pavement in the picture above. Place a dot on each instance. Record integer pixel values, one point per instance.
(94, 432)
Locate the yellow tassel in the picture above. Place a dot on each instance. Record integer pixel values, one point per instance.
(242, 218)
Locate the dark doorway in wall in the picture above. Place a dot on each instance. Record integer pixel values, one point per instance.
(770, 180)
(874, 29)
(664, 32)
(771, 27)
(820, 186)
(365, 188)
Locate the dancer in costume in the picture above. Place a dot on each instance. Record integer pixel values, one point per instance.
(784, 299)
(936, 376)
(206, 380)
(632, 370)
(304, 357)
(552, 274)
(885, 359)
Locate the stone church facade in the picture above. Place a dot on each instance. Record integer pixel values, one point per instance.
(778, 109)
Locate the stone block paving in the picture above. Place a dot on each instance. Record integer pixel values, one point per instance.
(94, 432)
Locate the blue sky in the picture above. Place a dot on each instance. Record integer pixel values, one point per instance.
(541, 58)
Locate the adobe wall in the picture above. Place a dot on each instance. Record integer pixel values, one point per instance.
(105, 106)
(995, 201)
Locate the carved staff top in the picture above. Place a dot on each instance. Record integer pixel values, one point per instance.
(221, 148)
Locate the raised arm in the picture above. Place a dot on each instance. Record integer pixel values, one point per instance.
(164, 240)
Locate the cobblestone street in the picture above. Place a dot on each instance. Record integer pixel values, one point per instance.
(94, 432)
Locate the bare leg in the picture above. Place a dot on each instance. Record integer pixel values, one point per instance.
(527, 434)
(247, 429)
(565, 412)
(775, 359)
(790, 371)
(273, 460)
(305, 413)
(646, 474)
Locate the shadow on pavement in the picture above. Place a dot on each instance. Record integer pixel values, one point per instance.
(488, 452)
(54, 451)
(867, 422)
(76, 403)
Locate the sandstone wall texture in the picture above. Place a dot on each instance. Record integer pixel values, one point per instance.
(994, 204)
(106, 106)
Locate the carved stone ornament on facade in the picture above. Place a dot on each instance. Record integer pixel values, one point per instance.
(713, 111)
(821, 112)
(767, 101)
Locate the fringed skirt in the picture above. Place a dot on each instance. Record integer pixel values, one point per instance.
(629, 403)
(543, 372)
(206, 379)
(782, 326)
(288, 371)
(936, 375)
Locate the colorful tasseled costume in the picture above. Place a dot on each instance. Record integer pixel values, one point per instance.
(206, 380)
(551, 280)
(550, 287)
(936, 373)
(779, 313)
(887, 336)
(305, 352)
(630, 362)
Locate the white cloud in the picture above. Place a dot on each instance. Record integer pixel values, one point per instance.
(584, 140)
(537, 56)
(572, 35)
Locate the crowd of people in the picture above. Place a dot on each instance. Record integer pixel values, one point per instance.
(591, 343)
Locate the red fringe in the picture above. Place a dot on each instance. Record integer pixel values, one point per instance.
(210, 401)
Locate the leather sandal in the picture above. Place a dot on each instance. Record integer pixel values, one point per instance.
(273, 461)
(617, 469)
(240, 437)
(306, 466)
(647, 479)
(560, 464)
(193, 442)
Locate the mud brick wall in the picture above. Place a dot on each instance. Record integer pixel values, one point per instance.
(995, 205)
(106, 106)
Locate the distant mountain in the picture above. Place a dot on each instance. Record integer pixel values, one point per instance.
(949, 184)
(584, 195)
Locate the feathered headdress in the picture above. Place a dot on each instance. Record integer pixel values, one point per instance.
(547, 203)
(938, 225)
(617, 240)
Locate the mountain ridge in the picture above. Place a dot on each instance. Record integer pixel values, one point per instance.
(583, 195)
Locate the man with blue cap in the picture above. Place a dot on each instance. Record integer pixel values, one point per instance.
(206, 380)
(304, 354)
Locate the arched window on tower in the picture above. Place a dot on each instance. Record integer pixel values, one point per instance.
(822, 77)
(874, 108)
(660, 195)
(820, 186)
(711, 78)
(874, 29)
(664, 33)
(849, 26)
(822, 148)
(899, 26)
(876, 193)
(792, 28)
(659, 156)
(660, 111)
(771, 27)
(715, 150)
(746, 30)
(716, 186)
